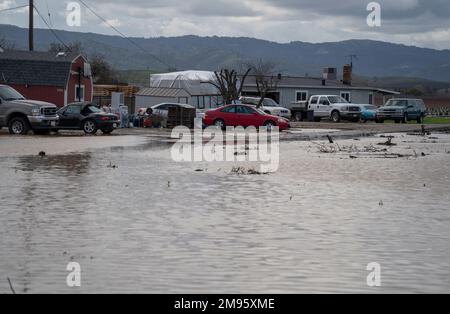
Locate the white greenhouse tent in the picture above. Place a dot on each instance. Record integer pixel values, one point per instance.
(187, 87)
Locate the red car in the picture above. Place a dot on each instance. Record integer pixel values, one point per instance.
(242, 115)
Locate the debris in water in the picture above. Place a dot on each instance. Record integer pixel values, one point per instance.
(42, 154)
(11, 286)
(330, 139)
(244, 171)
(199, 170)
(111, 165)
(388, 142)
(381, 203)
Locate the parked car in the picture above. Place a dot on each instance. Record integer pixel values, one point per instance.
(368, 113)
(243, 115)
(269, 106)
(21, 115)
(334, 107)
(87, 117)
(402, 110)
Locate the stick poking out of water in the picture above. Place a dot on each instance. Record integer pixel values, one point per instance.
(10, 286)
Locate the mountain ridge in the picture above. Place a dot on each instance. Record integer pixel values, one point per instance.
(376, 58)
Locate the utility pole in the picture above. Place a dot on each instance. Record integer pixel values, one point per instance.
(31, 26)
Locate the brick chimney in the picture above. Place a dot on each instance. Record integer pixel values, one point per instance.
(348, 75)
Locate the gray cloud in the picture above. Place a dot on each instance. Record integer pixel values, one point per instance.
(418, 22)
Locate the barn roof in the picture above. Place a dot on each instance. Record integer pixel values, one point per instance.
(35, 68)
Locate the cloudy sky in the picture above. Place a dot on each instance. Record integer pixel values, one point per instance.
(424, 23)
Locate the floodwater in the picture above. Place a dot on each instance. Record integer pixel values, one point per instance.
(137, 222)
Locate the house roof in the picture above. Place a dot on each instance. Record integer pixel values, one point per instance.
(312, 82)
(163, 92)
(35, 68)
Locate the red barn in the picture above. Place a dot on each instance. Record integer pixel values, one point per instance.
(58, 78)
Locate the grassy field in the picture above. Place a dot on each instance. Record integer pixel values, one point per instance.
(428, 120)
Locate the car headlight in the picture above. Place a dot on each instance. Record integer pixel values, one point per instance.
(36, 112)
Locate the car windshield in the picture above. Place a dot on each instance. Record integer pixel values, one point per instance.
(260, 111)
(337, 100)
(7, 93)
(93, 109)
(397, 103)
(270, 103)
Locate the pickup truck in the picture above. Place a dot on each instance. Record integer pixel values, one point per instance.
(21, 115)
(403, 110)
(333, 107)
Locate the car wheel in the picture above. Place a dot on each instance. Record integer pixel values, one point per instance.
(317, 119)
(421, 120)
(219, 123)
(336, 117)
(18, 126)
(405, 119)
(270, 125)
(90, 127)
(298, 117)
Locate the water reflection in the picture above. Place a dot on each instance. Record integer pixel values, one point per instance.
(151, 225)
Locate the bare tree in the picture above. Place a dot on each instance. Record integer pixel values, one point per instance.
(102, 71)
(229, 83)
(266, 79)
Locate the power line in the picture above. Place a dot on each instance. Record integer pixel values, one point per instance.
(123, 35)
(15, 8)
(49, 15)
(51, 29)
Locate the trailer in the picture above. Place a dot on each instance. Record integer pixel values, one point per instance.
(300, 111)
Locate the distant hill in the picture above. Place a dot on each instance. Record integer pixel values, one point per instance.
(376, 59)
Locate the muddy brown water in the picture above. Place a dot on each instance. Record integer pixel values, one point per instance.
(138, 222)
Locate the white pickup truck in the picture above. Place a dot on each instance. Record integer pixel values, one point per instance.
(269, 106)
(334, 107)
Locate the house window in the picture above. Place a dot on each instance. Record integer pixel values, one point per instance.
(347, 96)
(370, 98)
(201, 102)
(79, 93)
(301, 96)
